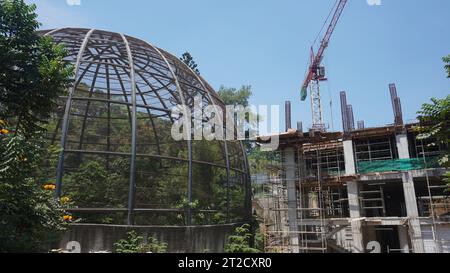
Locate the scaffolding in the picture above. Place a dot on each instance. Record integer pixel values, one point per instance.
(319, 197)
(316, 219)
(438, 206)
(372, 201)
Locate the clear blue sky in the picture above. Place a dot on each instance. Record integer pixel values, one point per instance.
(265, 43)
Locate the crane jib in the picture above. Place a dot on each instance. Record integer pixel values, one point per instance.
(317, 59)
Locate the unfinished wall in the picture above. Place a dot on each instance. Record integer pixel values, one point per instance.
(365, 191)
(198, 239)
(443, 239)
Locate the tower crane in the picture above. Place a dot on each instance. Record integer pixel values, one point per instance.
(316, 72)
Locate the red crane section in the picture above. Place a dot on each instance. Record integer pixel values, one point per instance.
(316, 60)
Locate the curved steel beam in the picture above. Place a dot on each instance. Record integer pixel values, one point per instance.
(131, 193)
(53, 31)
(60, 169)
(189, 141)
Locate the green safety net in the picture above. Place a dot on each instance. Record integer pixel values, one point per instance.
(396, 165)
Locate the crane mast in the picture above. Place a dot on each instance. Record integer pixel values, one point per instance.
(316, 72)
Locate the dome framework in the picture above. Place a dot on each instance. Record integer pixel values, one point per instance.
(116, 118)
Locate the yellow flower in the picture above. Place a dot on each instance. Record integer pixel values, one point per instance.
(65, 199)
(4, 132)
(68, 218)
(2, 122)
(50, 187)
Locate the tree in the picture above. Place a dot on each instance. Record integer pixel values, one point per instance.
(447, 65)
(434, 126)
(33, 72)
(31, 219)
(241, 97)
(240, 241)
(189, 61)
(233, 96)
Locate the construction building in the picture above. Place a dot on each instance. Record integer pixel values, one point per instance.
(363, 190)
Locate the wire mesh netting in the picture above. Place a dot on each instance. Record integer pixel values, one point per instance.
(119, 163)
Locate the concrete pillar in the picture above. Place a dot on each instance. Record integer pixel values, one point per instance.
(291, 181)
(349, 157)
(402, 146)
(415, 230)
(355, 214)
(403, 237)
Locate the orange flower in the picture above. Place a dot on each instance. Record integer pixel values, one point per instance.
(50, 187)
(4, 132)
(68, 217)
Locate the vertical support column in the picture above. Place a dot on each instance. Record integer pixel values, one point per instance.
(189, 140)
(350, 168)
(248, 186)
(402, 146)
(289, 155)
(300, 127)
(415, 230)
(132, 189)
(225, 145)
(403, 237)
(65, 124)
(288, 114)
(189, 193)
(353, 198)
(355, 215)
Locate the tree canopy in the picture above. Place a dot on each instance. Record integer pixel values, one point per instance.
(447, 65)
(233, 96)
(434, 126)
(33, 72)
(189, 61)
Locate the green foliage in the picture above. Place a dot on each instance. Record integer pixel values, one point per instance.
(130, 245)
(99, 181)
(447, 64)
(137, 244)
(233, 96)
(31, 219)
(241, 97)
(93, 186)
(259, 160)
(209, 190)
(33, 72)
(189, 61)
(240, 241)
(434, 126)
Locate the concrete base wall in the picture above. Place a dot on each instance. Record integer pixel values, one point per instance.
(199, 239)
